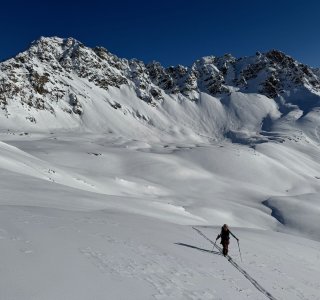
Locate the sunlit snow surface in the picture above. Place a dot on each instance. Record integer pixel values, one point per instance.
(104, 217)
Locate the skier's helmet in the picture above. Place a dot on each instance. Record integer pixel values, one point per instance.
(225, 227)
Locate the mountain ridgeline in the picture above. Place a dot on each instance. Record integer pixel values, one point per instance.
(60, 84)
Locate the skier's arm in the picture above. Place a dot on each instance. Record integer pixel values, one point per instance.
(233, 235)
(219, 235)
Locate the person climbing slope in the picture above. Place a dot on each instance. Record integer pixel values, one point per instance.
(225, 237)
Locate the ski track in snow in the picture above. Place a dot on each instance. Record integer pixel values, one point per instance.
(111, 245)
(241, 270)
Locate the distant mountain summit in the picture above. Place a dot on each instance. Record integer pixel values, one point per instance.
(60, 84)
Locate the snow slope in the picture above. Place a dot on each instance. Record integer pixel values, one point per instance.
(55, 254)
(104, 217)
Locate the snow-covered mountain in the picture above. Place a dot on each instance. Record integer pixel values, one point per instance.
(106, 164)
(60, 84)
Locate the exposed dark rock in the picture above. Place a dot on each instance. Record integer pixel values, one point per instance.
(42, 76)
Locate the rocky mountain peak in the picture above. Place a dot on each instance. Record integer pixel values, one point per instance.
(44, 76)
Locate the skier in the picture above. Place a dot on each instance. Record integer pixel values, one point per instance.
(224, 235)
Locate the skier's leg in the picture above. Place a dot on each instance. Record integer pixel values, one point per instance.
(225, 248)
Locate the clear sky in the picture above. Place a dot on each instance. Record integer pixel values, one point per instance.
(171, 32)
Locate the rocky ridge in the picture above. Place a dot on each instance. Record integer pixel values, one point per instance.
(41, 77)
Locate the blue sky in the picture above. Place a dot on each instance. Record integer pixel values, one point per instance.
(171, 32)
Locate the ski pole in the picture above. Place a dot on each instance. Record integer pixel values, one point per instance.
(214, 245)
(239, 250)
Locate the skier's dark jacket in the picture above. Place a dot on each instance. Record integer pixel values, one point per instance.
(225, 235)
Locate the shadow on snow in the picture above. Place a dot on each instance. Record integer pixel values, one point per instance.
(197, 248)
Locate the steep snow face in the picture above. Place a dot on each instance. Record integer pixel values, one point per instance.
(59, 84)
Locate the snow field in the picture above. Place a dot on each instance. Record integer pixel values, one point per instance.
(95, 216)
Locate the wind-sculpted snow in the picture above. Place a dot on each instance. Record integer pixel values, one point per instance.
(186, 183)
(298, 213)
